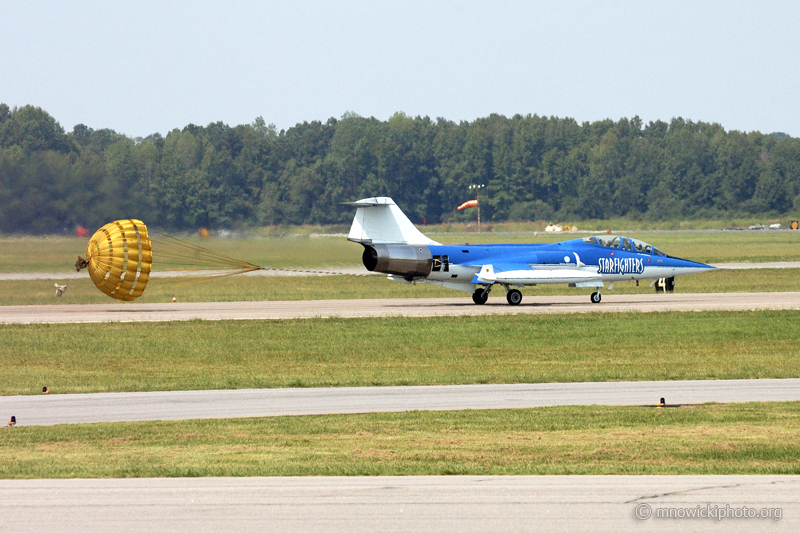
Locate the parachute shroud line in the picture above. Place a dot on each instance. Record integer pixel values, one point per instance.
(119, 258)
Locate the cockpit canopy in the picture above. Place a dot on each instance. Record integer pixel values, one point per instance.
(624, 243)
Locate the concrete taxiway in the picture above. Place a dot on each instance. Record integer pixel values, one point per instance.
(432, 503)
(175, 405)
(419, 307)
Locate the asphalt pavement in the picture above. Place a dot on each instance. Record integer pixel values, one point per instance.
(460, 504)
(175, 405)
(322, 271)
(419, 307)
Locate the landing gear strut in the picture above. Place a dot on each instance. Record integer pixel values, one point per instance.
(596, 297)
(514, 297)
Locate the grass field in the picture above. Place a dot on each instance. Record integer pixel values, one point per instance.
(616, 224)
(753, 438)
(74, 358)
(58, 254)
(263, 288)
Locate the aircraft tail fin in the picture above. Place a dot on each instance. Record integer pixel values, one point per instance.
(380, 221)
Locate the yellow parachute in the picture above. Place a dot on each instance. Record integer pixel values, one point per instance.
(119, 258)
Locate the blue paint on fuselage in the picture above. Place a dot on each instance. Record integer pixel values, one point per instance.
(608, 260)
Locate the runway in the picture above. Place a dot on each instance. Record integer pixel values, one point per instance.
(748, 266)
(322, 271)
(270, 272)
(176, 405)
(412, 307)
(459, 504)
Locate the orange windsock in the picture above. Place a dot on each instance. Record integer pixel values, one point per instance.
(471, 203)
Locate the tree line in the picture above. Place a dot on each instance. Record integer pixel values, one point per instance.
(534, 168)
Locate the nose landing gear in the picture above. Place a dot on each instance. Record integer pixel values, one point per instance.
(596, 297)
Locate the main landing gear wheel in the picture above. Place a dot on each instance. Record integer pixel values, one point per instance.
(480, 296)
(595, 297)
(514, 297)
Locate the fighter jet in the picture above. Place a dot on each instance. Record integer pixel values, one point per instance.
(394, 246)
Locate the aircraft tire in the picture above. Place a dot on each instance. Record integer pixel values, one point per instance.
(514, 297)
(479, 297)
(596, 298)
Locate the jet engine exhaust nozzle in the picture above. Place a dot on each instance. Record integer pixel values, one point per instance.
(406, 260)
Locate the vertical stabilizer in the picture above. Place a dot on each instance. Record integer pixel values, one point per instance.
(380, 221)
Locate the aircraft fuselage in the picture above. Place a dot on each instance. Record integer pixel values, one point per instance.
(392, 245)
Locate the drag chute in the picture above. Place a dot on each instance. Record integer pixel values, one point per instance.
(119, 257)
(121, 254)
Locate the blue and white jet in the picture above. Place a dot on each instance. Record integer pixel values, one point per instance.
(394, 246)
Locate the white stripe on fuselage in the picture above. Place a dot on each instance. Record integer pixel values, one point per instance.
(546, 274)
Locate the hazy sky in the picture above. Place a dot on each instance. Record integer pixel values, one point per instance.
(145, 67)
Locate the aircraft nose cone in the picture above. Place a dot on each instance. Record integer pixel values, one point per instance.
(691, 267)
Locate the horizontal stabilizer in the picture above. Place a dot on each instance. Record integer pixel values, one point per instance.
(372, 202)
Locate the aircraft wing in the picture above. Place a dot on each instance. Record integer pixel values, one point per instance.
(523, 274)
(492, 270)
